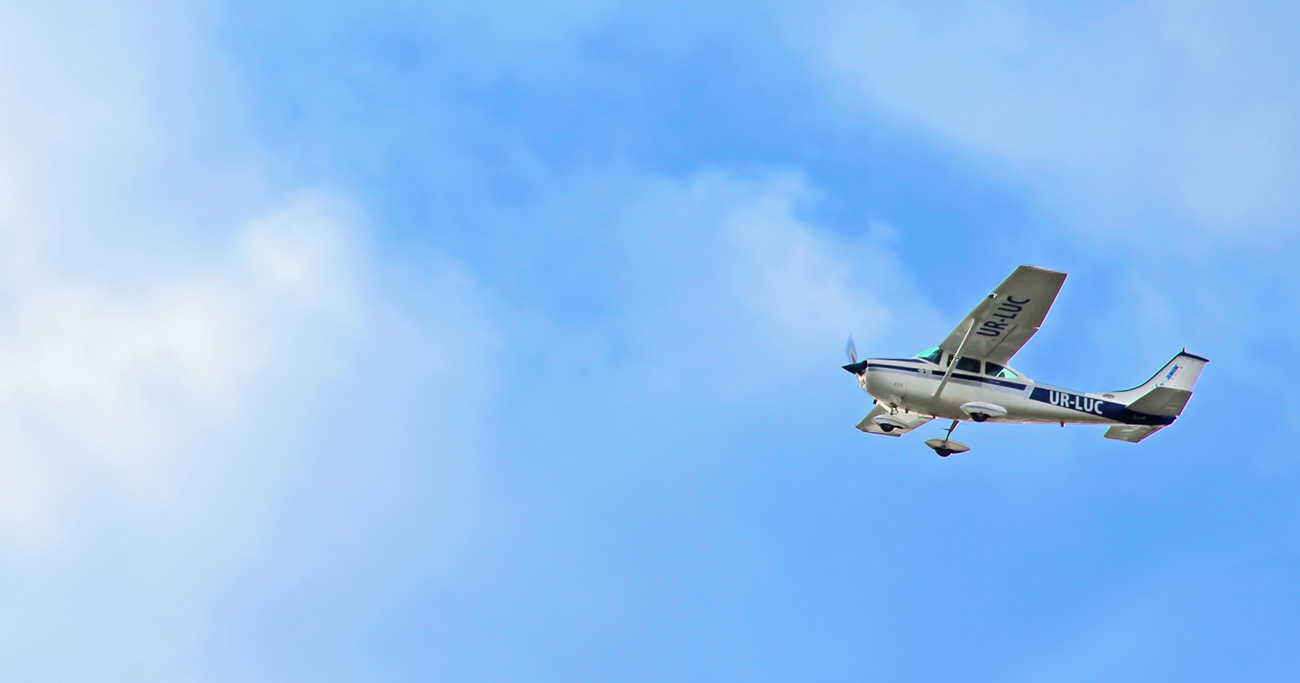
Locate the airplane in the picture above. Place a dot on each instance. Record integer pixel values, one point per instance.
(966, 377)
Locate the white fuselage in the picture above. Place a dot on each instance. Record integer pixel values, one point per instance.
(909, 384)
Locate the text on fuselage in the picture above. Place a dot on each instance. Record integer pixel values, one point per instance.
(1006, 311)
(1074, 401)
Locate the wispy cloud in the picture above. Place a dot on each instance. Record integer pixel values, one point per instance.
(1160, 112)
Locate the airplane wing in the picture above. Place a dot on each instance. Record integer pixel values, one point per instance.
(1008, 317)
(912, 420)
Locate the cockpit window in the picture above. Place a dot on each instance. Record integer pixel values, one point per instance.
(933, 355)
(995, 370)
(968, 365)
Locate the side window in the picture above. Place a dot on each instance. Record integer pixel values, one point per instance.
(968, 365)
(995, 370)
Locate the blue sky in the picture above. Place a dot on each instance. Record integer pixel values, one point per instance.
(501, 341)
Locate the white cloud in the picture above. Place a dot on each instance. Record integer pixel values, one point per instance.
(152, 286)
(116, 385)
(170, 323)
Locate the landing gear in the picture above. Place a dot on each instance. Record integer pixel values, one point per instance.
(886, 428)
(946, 446)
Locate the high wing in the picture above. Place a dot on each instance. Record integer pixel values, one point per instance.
(912, 420)
(1008, 317)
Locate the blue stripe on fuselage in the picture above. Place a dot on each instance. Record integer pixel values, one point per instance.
(1095, 406)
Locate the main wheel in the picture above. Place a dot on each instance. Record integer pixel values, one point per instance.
(943, 452)
(886, 428)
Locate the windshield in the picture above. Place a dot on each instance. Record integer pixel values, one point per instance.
(933, 355)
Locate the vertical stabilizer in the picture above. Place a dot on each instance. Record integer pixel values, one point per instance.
(1181, 372)
(1167, 391)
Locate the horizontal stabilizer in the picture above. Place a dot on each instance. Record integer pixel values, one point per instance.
(1132, 433)
(1162, 401)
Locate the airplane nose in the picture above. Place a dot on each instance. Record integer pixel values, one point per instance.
(857, 368)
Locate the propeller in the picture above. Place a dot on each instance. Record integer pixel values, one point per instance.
(854, 365)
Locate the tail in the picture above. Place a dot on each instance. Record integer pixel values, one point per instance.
(1165, 395)
(1160, 394)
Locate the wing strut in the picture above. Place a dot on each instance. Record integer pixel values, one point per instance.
(953, 365)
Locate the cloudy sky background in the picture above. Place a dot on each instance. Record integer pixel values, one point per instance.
(480, 341)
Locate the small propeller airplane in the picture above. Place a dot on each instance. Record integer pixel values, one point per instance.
(966, 377)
